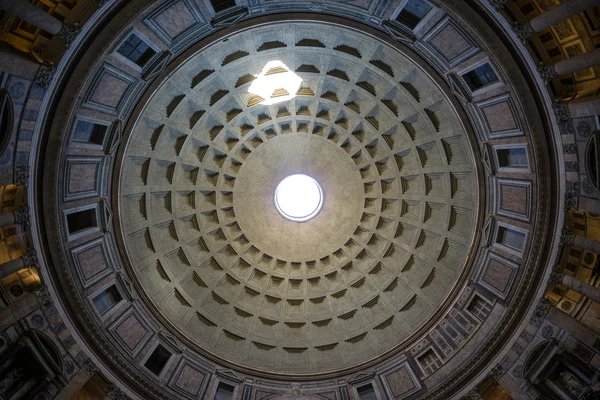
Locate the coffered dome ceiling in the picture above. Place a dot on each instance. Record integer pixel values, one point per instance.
(225, 268)
(175, 268)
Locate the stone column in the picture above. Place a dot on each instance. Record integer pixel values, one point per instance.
(573, 64)
(569, 238)
(587, 244)
(576, 328)
(584, 107)
(561, 12)
(589, 291)
(25, 389)
(7, 219)
(28, 259)
(28, 12)
(558, 276)
(19, 215)
(551, 17)
(577, 63)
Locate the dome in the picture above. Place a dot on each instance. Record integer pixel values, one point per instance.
(270, 199)
(205, 158)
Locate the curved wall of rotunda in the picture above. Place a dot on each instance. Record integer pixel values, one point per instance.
(162, 135)
(199, 251)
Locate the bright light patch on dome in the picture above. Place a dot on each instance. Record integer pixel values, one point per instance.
(276, 83)
(298, 198)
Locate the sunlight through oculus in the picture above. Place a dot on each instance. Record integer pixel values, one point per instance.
(276, 83)
(298, 198)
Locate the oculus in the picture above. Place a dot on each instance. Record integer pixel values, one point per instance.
(298, 198)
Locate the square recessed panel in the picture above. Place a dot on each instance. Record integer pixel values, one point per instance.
(111, 88)
(449, 43)
(190, 378)
(83, 177)
(92, 261)
(497, 118)
(176, 23)
(513, 198)
(400, 382)
(497, 274)
(131, 330)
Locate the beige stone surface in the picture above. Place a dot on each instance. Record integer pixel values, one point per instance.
(514, 198)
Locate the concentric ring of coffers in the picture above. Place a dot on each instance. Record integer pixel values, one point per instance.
(202, 165)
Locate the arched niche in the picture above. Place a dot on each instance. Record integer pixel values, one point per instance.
(6, 119)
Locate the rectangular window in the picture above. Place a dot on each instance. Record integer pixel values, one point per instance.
(157, 360)
(515, 157)
(81, 220)
(136, 50)
(510, 238)
(224, 391)
(89, 132)
(221, 5)
(479, 308)
(366, 392)
(412, 13)
(106, 299)
(429, 362)
(479, 77)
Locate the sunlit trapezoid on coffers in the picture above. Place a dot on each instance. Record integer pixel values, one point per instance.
(276, 83)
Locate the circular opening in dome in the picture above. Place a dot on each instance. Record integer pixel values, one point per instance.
(298, 198)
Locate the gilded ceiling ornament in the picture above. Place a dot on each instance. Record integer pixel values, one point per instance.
(543, 307)
(567, 237)
(22, 175)
(43, 295)
(523, 31)
(561, 110)
(556, 276)
(21, 215)
(497, 372)
(68, 33)
(45, 75)
(89, 367)
(115, 393)
(570, 200)
(547, 72)
(474, 395)
(30, 258)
